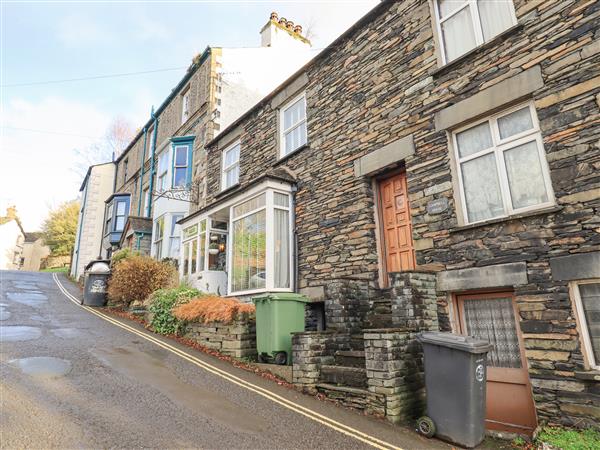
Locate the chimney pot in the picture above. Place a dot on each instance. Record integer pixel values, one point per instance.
(274, 16)
(282, 21)
(298, 29)
(290, 25)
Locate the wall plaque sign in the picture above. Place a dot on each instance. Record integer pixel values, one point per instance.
(437, 206)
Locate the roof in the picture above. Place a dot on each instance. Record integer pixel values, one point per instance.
(116, 194)
(196, 63)
(90, 171)
(326, 51)
(33, 236)
(137, 225)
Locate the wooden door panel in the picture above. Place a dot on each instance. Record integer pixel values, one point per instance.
(397, 242)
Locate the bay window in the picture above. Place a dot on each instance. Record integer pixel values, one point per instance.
(230, 171)
(464, 24)
(120, 214)
(260, 243)
(502, 168)
(174, 239)
(587, 305)
(181, 165)
(292, 124)
(159, 231)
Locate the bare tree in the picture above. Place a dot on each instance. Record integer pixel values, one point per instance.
(118, 135)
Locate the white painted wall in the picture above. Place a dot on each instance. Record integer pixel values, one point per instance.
(11, 245)
(99, 187)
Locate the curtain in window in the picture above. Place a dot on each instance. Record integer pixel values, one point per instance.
(492, 319)
(525, 177)
(458, 34)
(249, 252)
(482, 188)
(495, 16)
(282, 248)
(590, 299)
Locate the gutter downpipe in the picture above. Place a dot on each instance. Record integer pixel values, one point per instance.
(142, 176)
(152, 168)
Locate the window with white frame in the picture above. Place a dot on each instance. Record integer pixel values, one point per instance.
(230, 173)
(163, 171)
(159, 233)
(292, 125)
(502, 168)
(587, 304)
(146, 201)
(261, 232)
(185, 106)
(465, 24)
(194, 248)
(120, 215)
(175, 238)
(181, 165)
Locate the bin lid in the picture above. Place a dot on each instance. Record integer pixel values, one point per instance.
(98, 266)
(467, 344)
(281, 297)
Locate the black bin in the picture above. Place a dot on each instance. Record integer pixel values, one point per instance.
(95, 288)
(455, 377)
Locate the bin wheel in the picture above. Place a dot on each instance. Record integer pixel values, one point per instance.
(425, 426)
(281, 358)
(261, 359)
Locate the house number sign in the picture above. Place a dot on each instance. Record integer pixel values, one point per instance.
(437, 206)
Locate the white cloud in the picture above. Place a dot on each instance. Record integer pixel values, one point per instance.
(36, 169)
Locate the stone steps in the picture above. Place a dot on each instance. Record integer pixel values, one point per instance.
(355, 377)
(350, 358)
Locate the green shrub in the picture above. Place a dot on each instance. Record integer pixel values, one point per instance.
(122, 254)
(567, 439)
(136, 277)
(161, 304)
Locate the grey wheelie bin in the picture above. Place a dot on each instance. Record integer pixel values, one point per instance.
(455, 377)
(95, 287)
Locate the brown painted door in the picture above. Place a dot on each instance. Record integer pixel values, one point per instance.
(509, 400)
(395, 223)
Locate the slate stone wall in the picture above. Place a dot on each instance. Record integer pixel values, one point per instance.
(237, 339)
(382, 83)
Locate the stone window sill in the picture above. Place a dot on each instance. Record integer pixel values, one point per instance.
(289, 155)
(537, 212)
(486, 45)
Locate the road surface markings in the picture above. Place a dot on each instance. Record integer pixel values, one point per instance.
(313, 415)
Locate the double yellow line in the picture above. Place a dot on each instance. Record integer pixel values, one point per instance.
(306, 412)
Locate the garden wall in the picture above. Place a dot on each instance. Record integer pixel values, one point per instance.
(237, 339)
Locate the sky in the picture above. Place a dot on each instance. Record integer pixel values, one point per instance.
(44, 124)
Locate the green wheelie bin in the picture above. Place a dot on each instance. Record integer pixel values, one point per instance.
(278, 315)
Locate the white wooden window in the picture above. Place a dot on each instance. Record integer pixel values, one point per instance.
(464, 24)
(181, 165)
(163, 170)
(502, 167)
(159, 233)
(292, 125)
(260, 256)
(175, 237)
(230, 171)
(587, 303)
(185, 106)
(194, 249)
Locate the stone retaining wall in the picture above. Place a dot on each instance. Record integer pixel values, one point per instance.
(237, 339)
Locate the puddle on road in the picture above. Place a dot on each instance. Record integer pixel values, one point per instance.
(29, 298)
(66, 333)
(147, 369)
(19, 333)
(43, 366)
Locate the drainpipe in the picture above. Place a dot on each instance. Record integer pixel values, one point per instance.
(295, 256)
(138, 239)
(152, 168)
(142, 176)
(81, 224)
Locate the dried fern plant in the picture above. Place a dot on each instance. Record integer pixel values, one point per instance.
(212, 308)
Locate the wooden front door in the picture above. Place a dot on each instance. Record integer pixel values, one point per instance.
(509, 400)
(396, 229)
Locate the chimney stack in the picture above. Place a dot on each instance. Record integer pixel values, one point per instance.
(11, 212)
(279, 30)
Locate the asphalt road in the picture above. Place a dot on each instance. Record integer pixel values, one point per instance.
(72, 379)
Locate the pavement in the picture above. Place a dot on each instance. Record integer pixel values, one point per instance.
(73, 377)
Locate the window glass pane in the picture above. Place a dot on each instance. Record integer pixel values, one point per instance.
(458, 34)
(203, 225)
(282, 248)
(232, 155)
(493, 320)
(159, 228)
(495, 16)
(474, 139)
(119, 223)
(163, 162)
(482, 189)
(201, 251)
(447, 6)
(281, 199)
(181, 152)
(249, 205)
(120, 208)
(232, 176)
(186, 258)
(194, 255)
(515, 122)
(217, 251)
(525, 177)
(294, 114)
(174, 226)
(180, 178)
(249, 252)
(590, 301)
(174, 245)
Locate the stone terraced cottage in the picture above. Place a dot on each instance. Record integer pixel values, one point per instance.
(436, 167)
